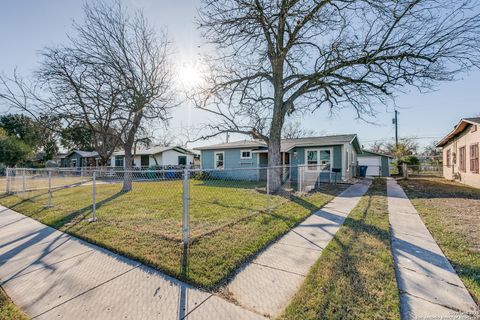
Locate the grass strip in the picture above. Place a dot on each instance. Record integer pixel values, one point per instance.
(354, 278)
(8, 310)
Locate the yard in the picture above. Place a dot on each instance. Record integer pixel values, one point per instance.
(451, 212)
(354, 278)
(227, 219)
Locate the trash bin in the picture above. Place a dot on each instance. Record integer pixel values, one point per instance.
(363, 171)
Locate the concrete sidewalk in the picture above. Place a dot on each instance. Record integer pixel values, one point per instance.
(427, 283)
(267, 284)
(49, 274)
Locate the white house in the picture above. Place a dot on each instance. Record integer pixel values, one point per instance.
(156, 157)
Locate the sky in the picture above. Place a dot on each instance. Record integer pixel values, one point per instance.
(27, 26)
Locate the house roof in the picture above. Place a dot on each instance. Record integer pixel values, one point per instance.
(368, 152)
(83, 154)
(289, 144)
(459, 128)
(156, 150)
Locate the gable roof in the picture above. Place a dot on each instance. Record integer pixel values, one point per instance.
(289, 144)
(459, 128)
(155, 150)
(83, 154)
(368, 152)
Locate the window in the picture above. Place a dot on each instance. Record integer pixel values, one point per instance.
(74, 162)
(448, 160)
(474, 158)
(245, 154)
(318, 160)
(312, 159)
(119, 161)
(219, 162)
(462, 157)
(182, 160)
(474, 128)
(144, 160)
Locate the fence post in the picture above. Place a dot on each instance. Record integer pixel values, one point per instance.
(186, 208)
(23, 181)
(300, 177)
(94, 198)
(268, 189)
(405, 171)
(49, 205)
(8, 174)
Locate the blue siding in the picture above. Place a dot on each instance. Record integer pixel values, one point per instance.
(231, 160)
(299, 159)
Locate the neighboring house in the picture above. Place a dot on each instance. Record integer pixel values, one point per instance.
(317, 157)
(38, 160)
(378, 164)
(59, 158)
(80, 159)
(461, 152)
(156, 157)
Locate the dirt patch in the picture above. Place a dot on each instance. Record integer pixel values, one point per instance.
(458, 204)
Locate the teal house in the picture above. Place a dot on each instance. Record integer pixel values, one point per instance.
(319, 159)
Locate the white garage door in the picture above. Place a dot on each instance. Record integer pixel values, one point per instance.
(374, 165)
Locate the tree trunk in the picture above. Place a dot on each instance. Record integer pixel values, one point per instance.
(275, 135)
(128, 175)
(128, 146)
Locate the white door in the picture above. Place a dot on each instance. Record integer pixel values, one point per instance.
(373, 165)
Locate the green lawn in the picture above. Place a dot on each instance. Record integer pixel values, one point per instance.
(8, 311)
(354, 278)
(451, 212)
(228, 222)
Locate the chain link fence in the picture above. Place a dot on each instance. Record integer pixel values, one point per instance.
(195, 224)
(406, 171)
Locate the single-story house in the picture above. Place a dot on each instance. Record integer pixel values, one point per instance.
(156, 157)
(80, 159)
(320, 158)
(378, 164)
(460, 150)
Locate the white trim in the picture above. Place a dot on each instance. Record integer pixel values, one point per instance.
(215, 160)
(318, 158)
(245, 150)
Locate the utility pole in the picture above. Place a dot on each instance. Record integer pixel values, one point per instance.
(395, 122)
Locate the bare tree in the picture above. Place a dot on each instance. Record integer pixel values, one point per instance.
(277, 58)
(294, 130)
(113, 77)
(378, 146)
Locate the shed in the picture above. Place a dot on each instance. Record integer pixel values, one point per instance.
(378, 164)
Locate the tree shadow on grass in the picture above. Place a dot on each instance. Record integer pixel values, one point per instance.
(79, 215)
(424, 188)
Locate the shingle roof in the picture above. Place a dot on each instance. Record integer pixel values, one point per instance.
(366, 152)
(155, 150)
(476, 119)
(460, 127)
(84, 154)
(286, 144)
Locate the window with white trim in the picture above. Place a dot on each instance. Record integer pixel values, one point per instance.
(219, 160)
(245, 154)
(318, 160)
